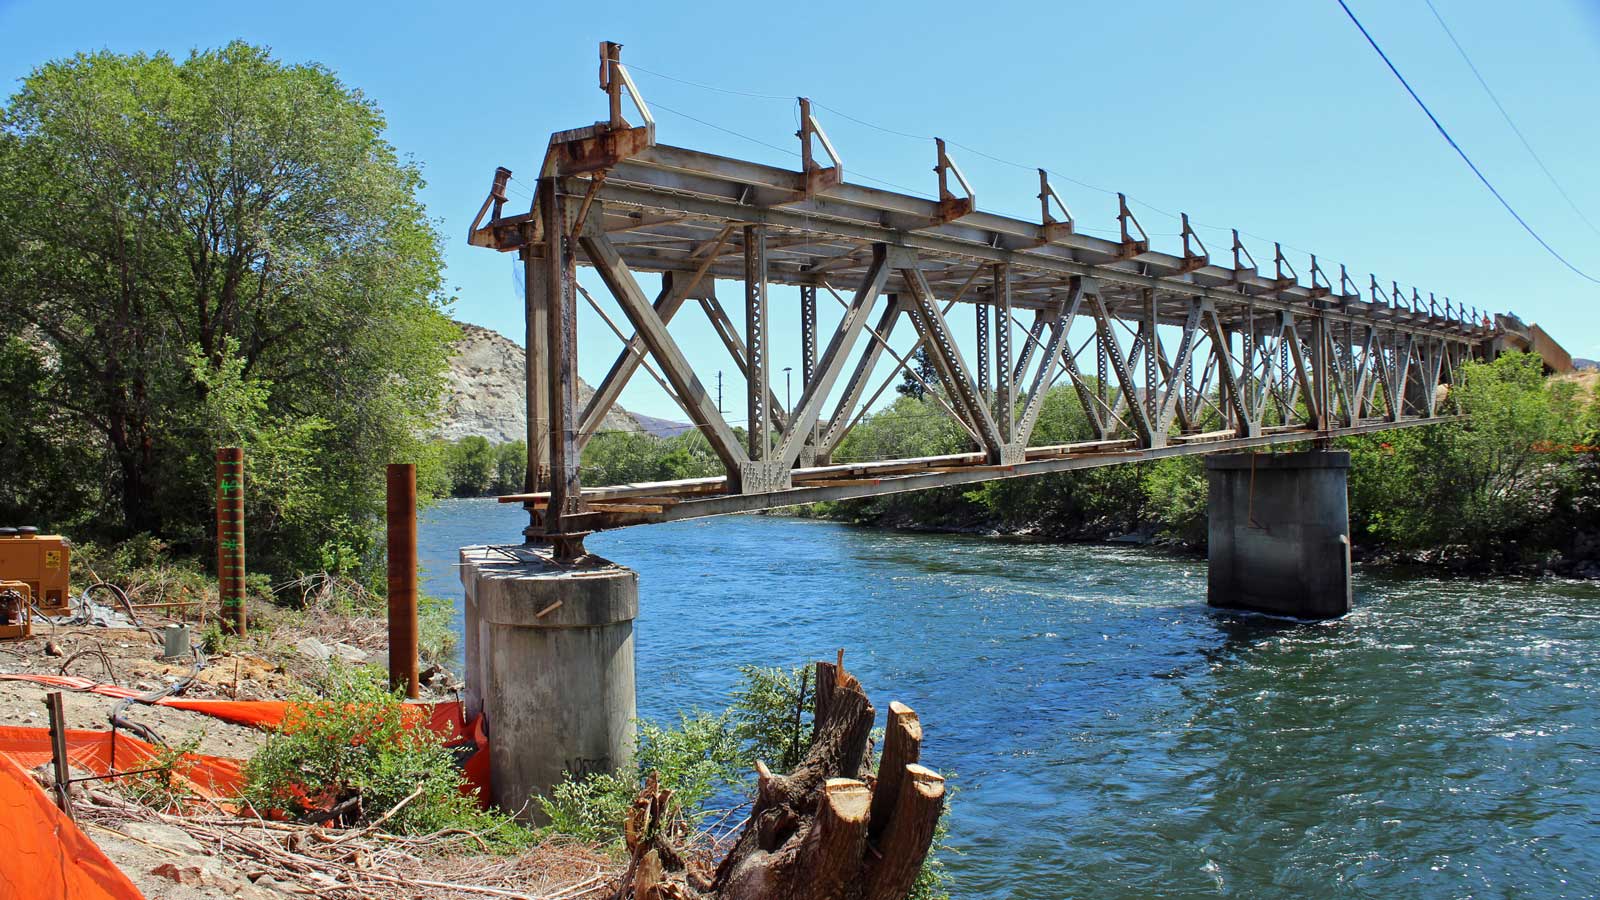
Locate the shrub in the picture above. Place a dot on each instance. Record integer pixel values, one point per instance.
(359, 753)
(700, 759)
(771, 712)
(1175, 489)
(159, 783)
(591, 808)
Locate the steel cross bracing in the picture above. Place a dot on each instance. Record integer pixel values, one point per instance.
(1167, 353)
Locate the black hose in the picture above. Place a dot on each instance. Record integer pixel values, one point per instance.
(122, 597)
(177, 687)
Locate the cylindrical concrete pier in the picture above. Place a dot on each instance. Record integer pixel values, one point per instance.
(549, 656)
(1279, 538)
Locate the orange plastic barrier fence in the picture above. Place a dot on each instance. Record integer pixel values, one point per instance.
(45, 856)
(97, 751)
(444, 719)
(217, 776)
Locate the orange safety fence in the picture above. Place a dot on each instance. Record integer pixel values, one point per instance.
(99, 751)
(45, 856)
(444, 719)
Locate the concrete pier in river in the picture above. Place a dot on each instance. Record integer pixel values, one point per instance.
(549, 659)
(1279, 539)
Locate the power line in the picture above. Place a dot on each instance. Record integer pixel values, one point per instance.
(1460, 152)
(1507, 116)
(635, 67)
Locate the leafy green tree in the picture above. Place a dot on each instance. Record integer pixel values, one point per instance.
(229, 222)
(510, 467)
(51, 464)
(916, 386)
(908, 427)
(1177, 495)
(626, 457)
(1489, 484)
(470, 466)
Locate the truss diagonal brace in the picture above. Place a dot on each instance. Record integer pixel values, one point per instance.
(673, 293)
(946, 355)
(1119, 363)
(833, 359)
(1046, 373)
(625, 288)
(1179, 369)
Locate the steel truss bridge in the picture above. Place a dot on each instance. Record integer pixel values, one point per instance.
(1168, 353)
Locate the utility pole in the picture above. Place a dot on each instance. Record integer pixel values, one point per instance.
(788, 406)
(719, 391)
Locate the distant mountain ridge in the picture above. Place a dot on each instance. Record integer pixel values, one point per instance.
(485, 395)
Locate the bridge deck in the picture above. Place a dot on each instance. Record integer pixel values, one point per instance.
(1167, 353)
(615, 506)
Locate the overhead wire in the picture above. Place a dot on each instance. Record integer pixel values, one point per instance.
(1445, 133)
(1507, 116)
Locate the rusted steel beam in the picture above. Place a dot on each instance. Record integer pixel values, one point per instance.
(230, 538)
(401, 536)
(878, 484)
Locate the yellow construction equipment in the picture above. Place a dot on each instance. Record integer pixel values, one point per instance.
(16, 615)
(42, 562)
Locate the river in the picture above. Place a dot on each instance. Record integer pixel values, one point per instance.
(1109, 736)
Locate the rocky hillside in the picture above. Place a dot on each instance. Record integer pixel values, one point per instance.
(485, 394)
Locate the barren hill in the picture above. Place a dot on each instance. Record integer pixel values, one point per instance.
(485, 395)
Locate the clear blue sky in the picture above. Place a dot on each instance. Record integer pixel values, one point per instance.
(1274, 117)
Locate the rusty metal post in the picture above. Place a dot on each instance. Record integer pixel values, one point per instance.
(230, 537)
(559, 282)
(58, 751)
(402, 522)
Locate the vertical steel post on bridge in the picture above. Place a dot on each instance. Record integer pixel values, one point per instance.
(550, 299)
(759, 374)
(1005, 386)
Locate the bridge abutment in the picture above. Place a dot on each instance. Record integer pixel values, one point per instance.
(549, 659)
(1279, 538)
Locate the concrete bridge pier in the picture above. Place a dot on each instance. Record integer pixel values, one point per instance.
(549, 659)
(1279, 534)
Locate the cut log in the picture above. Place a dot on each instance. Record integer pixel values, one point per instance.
(908, 834)
(831, 856)
(820, 832)
(902, 746)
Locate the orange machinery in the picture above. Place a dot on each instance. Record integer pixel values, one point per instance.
(42, 562)
(16, 616)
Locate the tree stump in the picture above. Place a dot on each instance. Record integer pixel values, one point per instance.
(826, 831)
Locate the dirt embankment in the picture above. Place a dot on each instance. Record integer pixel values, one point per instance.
(219, 851)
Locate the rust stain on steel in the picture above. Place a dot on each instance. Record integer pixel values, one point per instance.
(230, 537)
(402, 546)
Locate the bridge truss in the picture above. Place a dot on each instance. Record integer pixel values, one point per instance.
(1168, 353)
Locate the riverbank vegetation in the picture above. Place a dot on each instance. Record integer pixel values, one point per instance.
(472, 467)
(1514, 486)
(216, 250)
